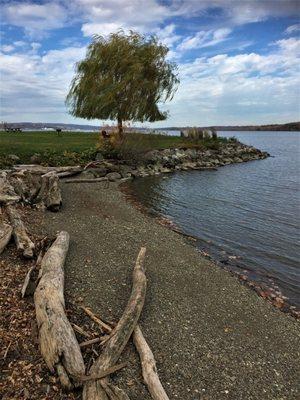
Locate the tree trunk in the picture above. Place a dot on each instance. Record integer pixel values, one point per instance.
(120, 126)
(58, 343)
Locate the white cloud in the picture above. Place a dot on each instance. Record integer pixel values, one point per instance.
(292, 29)
(204, 39)
(34, 18)
(7, 48)
(103, 29)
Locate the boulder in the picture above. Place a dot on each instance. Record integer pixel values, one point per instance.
(98, 172)
(14, 158)
(35, 159)
(113, 176)
(99, 157)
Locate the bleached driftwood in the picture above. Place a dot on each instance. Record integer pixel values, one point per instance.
(49, 193)
(148, 366)
(44, 170)
(87, 180)
(102, 389)
(58, 343)
(32, 187)
(5, 235)
(23, 242)
(7, 192)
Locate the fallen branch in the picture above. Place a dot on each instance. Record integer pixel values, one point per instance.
(101, 389)
(5, 235)
(148, 366)
(105, 373)
(23, 242)
(58, 343)
(98, 321)
(79, 330)
(90, 342)
(87, 180)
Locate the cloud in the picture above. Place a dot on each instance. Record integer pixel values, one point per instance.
(244, 88)
(292, 29)
(7, 48)
(204, 39)
(42, 79)
(34, 18)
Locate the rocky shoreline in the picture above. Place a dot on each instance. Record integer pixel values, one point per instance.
(156, 162)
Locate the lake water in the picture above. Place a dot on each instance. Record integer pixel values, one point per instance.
(247, 212)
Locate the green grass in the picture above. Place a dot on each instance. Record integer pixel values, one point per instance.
(26, 144)
(78, 148)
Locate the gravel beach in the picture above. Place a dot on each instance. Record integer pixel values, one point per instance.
(212, 337)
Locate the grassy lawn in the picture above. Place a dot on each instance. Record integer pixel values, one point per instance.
(78, 148)
(26, 144)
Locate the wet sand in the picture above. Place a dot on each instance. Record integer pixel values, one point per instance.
(212, 337)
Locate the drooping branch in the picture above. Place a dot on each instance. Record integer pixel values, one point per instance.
(148, 366)
(102, 389)
(58, 343)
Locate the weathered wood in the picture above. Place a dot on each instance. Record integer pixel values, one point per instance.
(7, 192)
(23, 242)
(88, 180)
(5, 235)
(49, 193)
(58, 343)
(102, 389)
(29, 285)
(148, 366)
(44, 170)
(96, 319)
(90, 342)
(65, 174)
(105, 373)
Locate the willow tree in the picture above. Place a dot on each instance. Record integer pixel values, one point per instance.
(123, 77)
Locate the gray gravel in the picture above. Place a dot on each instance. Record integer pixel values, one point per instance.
(212, 337)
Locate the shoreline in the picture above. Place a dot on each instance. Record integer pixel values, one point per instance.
(208, 333)
(193, 311)
(267, 292)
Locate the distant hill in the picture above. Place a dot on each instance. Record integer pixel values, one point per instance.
(291, 126)
(35, 126)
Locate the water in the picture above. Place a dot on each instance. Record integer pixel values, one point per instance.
(249, 210)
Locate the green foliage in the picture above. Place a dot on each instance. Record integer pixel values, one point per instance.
(123, 77)
(69, 148)
(135, 144)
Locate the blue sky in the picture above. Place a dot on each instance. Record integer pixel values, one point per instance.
(238, 60)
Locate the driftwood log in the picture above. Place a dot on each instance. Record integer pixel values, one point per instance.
(102, 389)
(23, 242)
(58, 343)
(148, 366)
(87, 180)
(7, 192)
(5, 235)
(49, 193)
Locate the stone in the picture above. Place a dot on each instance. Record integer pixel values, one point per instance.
(98, 172)
(35, 159)
(14, 158)
(99, 157)
(88, 174)
(113, 176)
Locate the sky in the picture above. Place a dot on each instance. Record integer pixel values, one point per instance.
(238, 60)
